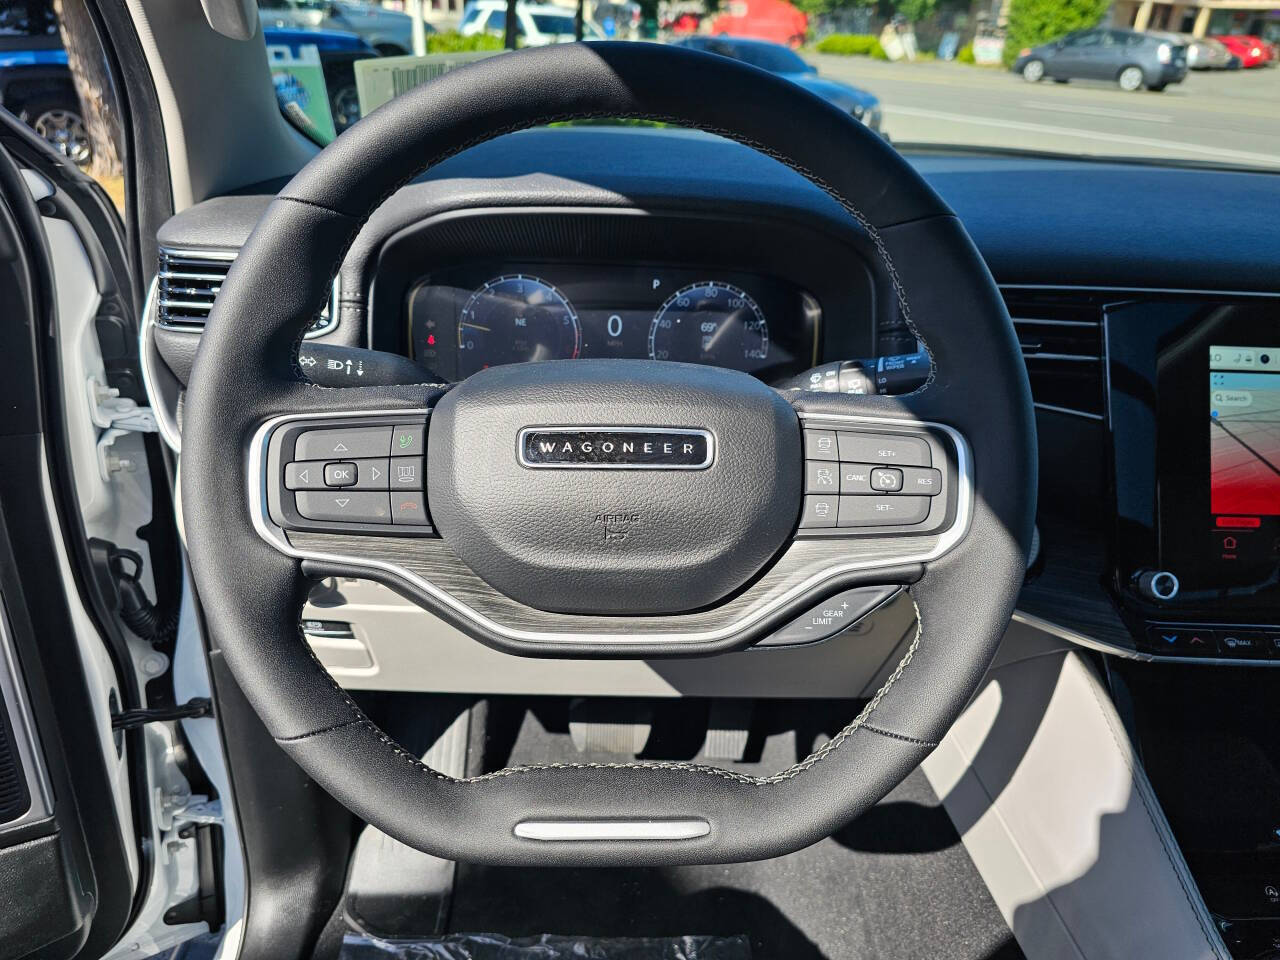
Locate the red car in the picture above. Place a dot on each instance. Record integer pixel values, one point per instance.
(775, 20)
(1251, 51)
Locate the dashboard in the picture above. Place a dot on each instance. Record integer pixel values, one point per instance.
(1154, 367)
(486, 314)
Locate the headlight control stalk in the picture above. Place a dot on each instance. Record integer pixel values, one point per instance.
(900, 373)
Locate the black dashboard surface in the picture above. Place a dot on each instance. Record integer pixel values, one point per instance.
(1035, 219)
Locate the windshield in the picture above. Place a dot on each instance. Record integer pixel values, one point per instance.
(1089, 78)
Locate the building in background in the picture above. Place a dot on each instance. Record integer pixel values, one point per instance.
(1206, 18)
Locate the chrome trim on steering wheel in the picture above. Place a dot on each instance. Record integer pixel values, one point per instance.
(275, 536)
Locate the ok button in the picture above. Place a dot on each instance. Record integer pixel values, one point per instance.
(339, 474)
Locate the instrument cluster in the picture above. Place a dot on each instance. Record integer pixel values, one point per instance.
(465, 319)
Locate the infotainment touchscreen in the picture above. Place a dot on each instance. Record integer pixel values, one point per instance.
(1244, 446)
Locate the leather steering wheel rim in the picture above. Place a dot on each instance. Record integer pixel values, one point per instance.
(246, 372)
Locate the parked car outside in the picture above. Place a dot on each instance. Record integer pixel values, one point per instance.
(387, 31)
(1203, 53)
(35, 84)
(785, 62)
(1252, 51)
(1132, 60)
(537, 24)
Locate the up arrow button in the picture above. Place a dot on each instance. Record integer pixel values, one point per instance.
(349, 442)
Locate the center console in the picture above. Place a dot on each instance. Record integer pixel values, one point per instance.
(1195, 419)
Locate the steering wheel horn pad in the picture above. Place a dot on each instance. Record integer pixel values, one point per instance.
(647, 813)
(608, 522)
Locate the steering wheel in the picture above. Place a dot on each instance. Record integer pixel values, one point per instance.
(691, 533)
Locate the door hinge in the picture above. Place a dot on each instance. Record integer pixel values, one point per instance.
(116, 416)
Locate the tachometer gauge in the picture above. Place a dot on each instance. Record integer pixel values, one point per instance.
(516, 319)
(710, 322)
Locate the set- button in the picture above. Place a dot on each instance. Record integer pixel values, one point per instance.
(866, 480)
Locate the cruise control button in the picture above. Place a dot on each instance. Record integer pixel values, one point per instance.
(886, 479)
(339, 474)
(922, 480)
(821, 476)
(406, 473)
(882, 511)
(830, 617)
(1181, 641)
(409, 507)
(304, 476)
(1241, 643)
(820, 445)
(819, 512)
(408, 440)
(372, 474)
(345, 506)
(855, 478)
(346, 443)
(880, 448)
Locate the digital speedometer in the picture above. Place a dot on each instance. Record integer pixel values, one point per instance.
(516, 318)
(710, 322)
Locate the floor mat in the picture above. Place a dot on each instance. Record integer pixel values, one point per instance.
(895, 885)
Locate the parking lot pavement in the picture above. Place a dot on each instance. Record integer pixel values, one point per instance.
(1222, 116)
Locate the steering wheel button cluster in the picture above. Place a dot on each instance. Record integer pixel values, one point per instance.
(875, 448)
(892, 483)
(351, 478)
(882, 511)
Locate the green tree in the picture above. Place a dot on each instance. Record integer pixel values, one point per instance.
(915, 10)
(812, 7)
(1032, 22)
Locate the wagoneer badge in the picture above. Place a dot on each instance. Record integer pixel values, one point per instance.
(616, 448)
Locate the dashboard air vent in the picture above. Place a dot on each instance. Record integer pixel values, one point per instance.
(1062, 341)
(188, 284)
(188, 281)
